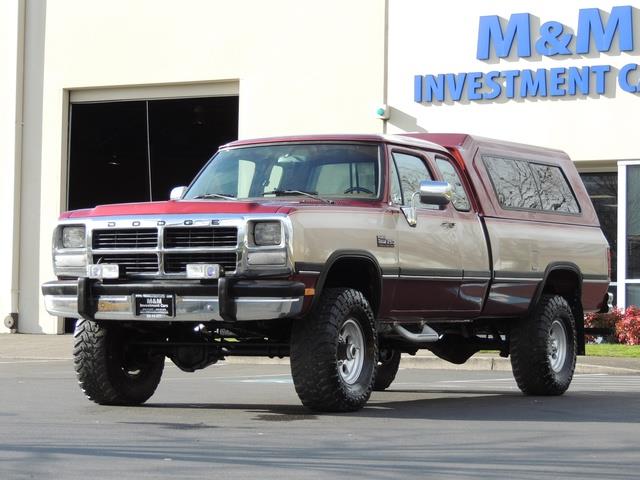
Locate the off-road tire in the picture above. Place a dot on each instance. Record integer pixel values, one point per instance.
(315, 350)
(531, 349)
(388, 364)
(103, 374)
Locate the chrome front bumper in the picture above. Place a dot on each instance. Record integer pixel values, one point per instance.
(238, 301)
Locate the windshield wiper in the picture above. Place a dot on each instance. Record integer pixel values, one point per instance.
(313, 195)
(215, 195)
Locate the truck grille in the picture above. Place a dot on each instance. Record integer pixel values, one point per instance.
(177, 262)
(125, 247)
(125, 238)
(131, 262)
(200, 237)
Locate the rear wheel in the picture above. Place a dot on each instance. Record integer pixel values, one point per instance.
(334, 352)
(109, 371)
(388, 364)
(543, 348)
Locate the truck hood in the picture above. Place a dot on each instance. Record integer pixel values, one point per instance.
(180, 207)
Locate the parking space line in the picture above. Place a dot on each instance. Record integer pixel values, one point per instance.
(241, 378)
(43, 360)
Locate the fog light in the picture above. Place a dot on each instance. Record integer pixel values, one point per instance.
(103, 270)
(267, 258)
(203, 270)
(69, 261)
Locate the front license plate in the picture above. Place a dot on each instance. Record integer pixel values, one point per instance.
(154, 304)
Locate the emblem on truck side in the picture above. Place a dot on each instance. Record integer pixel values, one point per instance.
(385, 242)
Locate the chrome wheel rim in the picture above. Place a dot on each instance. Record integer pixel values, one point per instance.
(351, 351)
(557, 345)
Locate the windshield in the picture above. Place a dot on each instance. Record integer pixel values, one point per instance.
(309, 170)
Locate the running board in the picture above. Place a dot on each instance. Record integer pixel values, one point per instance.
(428, 334)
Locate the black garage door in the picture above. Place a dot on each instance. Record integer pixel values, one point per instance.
(137, 151)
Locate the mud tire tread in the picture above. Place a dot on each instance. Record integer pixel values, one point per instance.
(529, 349)
(314, 353)
(97, 373)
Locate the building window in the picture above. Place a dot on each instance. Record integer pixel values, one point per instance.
(628, 287)
(603, 191)
(632, 239)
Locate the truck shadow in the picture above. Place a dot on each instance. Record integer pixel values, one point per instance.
(468, 405)
(507, 407)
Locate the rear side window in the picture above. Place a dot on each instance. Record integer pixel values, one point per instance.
(513, 183)
(520, 184)
(555, 193)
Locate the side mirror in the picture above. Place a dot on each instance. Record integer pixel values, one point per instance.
(430, 193)
(177, 192)
(435, 193)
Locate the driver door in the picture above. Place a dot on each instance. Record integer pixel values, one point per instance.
(430, 267)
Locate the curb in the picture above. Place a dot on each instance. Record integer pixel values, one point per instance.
(477, 363)
(435, 363)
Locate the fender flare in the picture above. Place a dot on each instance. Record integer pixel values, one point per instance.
(579, 315)
(339, 255)
(553, 267)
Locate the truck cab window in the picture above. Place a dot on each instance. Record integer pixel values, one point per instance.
(460, 200)
(410, 171)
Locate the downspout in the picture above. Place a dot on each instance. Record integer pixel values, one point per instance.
(385, 64)
(17, 162)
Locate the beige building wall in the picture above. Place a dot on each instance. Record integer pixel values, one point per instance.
(299, 67)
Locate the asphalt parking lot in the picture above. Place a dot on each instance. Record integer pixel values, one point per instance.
(245, 421)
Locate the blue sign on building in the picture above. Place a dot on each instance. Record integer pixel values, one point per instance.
(552, 39)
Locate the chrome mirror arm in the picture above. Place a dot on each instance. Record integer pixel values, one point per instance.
(411, 212)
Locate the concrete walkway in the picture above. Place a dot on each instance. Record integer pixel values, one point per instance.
(59, 347)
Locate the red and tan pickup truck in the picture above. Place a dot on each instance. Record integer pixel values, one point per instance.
(341, 252)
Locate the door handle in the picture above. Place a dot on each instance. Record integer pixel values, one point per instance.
(448, 224)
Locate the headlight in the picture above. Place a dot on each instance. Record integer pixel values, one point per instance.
(267, 233)
(73, 237)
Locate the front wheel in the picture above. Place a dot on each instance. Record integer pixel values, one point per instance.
(334, 352)
(109, 372)
(543, 348)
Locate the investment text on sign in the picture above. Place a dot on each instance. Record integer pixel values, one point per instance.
(552, 39)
